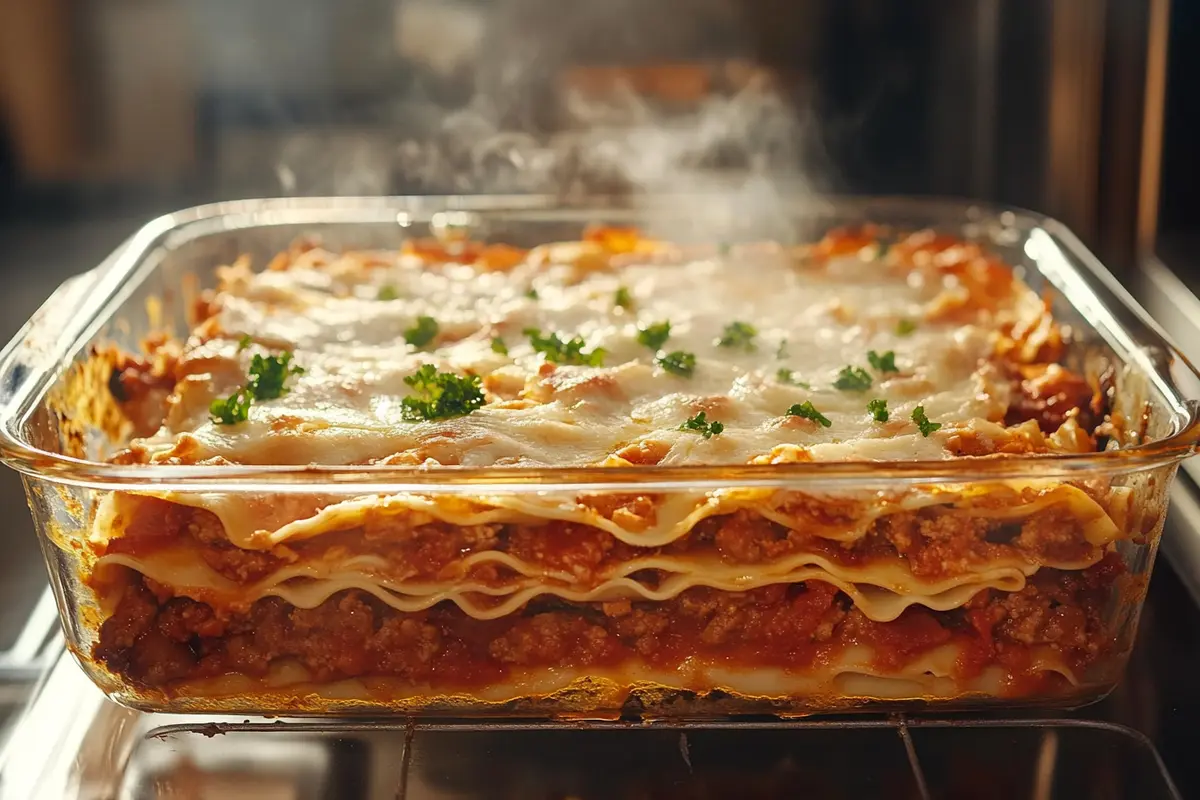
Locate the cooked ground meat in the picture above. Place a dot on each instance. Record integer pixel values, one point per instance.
(936, 545)
(577, 549)
(153, 641)
(1048, 393)
(235, 563)
(141, 386)
(1054, 533)
(555, 637)
(421, 552)
(933, 541)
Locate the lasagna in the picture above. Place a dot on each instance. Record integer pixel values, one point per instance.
(615, 354)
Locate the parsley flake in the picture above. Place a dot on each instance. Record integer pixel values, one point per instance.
(885, 362)
(806, 410)
(498, 346)
(554, 349)
(231, 410)
(905, 327)
(622, 298)
(532, 293)
(785, 375)
(267, 376)
(852, 379)
(678, 362)
(781, 352)
(422, 333)
(738, 334)
(878, 409)
(387, 292)
(655, 335)
(923, 424)
(244, 342)
(440, 395)
(700, 425)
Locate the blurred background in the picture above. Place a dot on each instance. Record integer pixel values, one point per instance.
(121, 109)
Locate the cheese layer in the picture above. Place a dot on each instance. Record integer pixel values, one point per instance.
(811, 320)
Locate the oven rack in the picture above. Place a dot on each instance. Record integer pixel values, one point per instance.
(73, 743)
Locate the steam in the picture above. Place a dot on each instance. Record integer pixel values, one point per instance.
(626, 148)
(746, 145)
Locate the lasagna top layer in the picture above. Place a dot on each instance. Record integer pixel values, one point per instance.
(616, 350)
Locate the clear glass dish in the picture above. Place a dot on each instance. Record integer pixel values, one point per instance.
(151, 283)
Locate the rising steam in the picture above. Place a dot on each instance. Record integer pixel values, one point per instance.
(746, 141)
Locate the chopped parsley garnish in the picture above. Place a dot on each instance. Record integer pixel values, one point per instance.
(678, 362)
(738, 334)
(498, 346)
(422, 332)
(878, 409)
(781, 352)
(232, 409)
(785, 375)
(440, 395)
(923, 424)
(723, 248)
(244, 342)
(532, 293)
(884, 246)
(387, 292)
(905, 327)
(622, 298)
(806, 410)
(268, 374)
(655, 335)
(885, 362)
(700, 425)
(852, 379)
(553, 348)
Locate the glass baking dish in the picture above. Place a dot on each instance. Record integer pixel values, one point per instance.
(151, 284)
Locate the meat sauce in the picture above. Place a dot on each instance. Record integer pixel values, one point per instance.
(156, 640)
(934, 544)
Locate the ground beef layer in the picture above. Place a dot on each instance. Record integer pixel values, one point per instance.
(933, 542)
(154, 639)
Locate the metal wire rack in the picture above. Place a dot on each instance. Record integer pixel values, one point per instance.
(907, 756)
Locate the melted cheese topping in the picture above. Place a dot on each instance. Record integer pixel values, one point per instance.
(813, 320)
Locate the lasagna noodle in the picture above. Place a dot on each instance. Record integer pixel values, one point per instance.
(882, 587)
(242, 518)
(853, 676)
(882, 590)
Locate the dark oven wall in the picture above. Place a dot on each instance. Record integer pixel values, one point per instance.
(1178, 231)
(993, 99)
